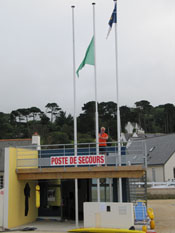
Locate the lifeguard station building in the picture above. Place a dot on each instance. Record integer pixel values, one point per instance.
(56, 167)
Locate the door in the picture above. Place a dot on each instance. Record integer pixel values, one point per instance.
(68, 197)
(50, 198)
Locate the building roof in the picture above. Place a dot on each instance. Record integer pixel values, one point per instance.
(15, 140)
(128, 136)
(159, 148)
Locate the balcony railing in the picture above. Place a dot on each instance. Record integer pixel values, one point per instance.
(61, 155)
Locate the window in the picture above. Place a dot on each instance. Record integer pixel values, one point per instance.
(174, 172)
(1, 182)
(104, 190)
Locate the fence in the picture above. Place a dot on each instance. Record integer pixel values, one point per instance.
(167, 184)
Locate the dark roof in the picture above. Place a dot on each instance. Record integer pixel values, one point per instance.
(159, 148)
(127, 136)
(15, 140)
(11, 143)
(142, 136)
(152, 135)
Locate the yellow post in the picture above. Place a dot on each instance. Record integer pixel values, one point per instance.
(37, 196)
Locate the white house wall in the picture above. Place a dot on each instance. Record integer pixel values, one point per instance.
(129, 128)
(169, 167)
(1, 206)
(155, 174)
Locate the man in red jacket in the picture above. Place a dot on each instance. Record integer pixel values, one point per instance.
(102, 140)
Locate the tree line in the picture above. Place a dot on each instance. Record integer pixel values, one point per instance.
(55, 126)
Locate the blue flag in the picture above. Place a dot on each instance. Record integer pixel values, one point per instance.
(113, 19)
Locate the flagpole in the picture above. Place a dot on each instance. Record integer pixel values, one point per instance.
(118, 108)
(75, 117)
(96, 104)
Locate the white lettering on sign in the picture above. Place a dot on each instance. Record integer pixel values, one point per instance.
(77, 160)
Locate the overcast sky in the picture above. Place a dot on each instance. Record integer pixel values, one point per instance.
(36, 52)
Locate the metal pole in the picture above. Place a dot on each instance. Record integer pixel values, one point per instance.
(146, 165)
(110, 190)
(118, 109)
(75, 117)
(96, 105)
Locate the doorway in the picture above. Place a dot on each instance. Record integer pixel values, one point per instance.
(50, 198)
(57, 198)
(68, 197)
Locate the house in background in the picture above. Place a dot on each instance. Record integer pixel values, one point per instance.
(133, 127)
(160, 156)
(132, 130)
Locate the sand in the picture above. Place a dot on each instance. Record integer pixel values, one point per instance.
(164, 211)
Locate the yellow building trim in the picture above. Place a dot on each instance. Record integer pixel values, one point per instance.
(16, 197)
(26, 158)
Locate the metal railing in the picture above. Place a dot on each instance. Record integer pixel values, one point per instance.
(40, 156)
(136, 153)
(166, 184)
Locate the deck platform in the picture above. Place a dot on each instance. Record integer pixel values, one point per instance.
(134, 171)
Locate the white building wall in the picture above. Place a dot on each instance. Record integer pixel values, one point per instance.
(123, 138)
(169, 168)
(1, 206)
(155, 173)
(129, 128)
(108, 215)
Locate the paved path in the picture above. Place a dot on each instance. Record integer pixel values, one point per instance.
(164, 211)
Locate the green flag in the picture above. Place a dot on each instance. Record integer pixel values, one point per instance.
(89, 57)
